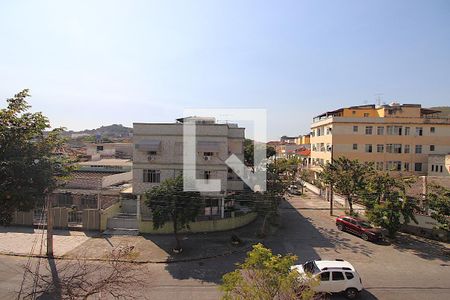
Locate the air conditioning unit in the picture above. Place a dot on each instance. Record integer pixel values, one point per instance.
(151, 157)
(207, 157)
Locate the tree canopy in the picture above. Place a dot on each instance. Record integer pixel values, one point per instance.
(29, 169)
(169, 203)
(438, 198)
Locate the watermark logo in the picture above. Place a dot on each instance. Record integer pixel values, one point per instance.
(210, 139)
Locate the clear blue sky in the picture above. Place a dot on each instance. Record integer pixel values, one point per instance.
(91, 63)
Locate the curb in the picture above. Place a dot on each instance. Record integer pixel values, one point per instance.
(166, 261)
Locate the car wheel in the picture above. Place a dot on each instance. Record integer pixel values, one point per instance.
(340, 227)
(365, 237)
(351, 293)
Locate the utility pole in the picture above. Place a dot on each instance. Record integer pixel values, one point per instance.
(331, 185)
(49, 227)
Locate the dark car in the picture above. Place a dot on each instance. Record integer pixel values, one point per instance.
(359, 227)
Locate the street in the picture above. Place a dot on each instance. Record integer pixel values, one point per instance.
(412, 268)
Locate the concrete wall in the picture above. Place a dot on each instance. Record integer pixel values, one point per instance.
(146, 226)
(108, 213)
(91, 219)
(60, 217)
(23, 218)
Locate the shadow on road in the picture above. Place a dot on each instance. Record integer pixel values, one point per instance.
(422, 247)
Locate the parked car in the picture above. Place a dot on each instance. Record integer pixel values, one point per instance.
(336, 276)
(293, 190)
(359, 227)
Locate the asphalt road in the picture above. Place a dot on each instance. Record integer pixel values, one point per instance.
(411, 268)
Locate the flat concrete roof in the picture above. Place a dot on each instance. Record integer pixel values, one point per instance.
(107, 162)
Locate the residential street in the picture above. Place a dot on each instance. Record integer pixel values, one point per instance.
(413, 268)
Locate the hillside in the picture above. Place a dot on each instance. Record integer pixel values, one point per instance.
(110, 131)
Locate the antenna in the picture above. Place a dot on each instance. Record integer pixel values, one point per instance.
(378, 97)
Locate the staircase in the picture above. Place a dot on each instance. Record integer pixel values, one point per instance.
(125, 223)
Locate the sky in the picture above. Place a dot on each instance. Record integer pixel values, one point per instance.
(92, 63)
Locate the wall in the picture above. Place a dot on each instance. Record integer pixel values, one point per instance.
(108, 213)
(23, 218)
(146, 226)
(91, 219)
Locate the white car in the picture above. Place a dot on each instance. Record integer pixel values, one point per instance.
(335, 276)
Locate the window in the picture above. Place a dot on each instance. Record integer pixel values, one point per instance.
(355, 146)
(355, 128)
(325, 276)
(89, 201)
(406, 149)
(397, 130)
(390, 130)
(389, 148)
(431, 147)
(380, 148)
(419, 131)
(369, 148)
(406, 166)
(368, 129)
(99, 148)
(152, 152)
(338, 276)
(397, 148)
(407, 131)
(65, 200)
(208, 153)
(353, 112)
(418, 148)
(152, 176)
(366, 115)
(418, 167)
(207, 175)
(380, 130)
(432, 129)
(440, 169)
(349, 275)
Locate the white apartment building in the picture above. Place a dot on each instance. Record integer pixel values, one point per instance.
(158, 153)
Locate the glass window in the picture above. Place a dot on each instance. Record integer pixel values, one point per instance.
(99, 148)
(398, 130)
(406, 148)
(338, 276)
(325, 276)
(431, 147)
(440, 169)
(432, 168)
(380, 148)
(152, 176)
(380, 130)
(369, 148)
(419, 131)
(366, 115)
(397, 148)
(389, 148)
(369, 129)
(355, 146)
(418, 167)
(407, 131)
(406, 166)
(349, 275)
(432, 129)
(355, 128)
(390, 130)
(418, 148)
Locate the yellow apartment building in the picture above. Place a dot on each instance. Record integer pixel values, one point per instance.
(397, 138)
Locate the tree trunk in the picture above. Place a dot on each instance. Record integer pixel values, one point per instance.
(350, 204)
(175, 232)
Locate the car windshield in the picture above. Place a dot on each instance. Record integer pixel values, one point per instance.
(311, 267)
(364, 224)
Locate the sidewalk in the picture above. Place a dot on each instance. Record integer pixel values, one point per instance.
(337, 198)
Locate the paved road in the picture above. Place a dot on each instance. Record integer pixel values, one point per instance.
(410, 269)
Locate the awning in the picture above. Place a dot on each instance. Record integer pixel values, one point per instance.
(148, 145)
(208, 146)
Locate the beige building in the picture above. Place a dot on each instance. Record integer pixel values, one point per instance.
(439, 165)
(158, 153)
(395, 137)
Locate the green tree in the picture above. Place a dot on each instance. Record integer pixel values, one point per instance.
(348, 177)
(249, 149)
(266, 276)
(386, 202)
(438, 199)
(29, 169)
(169, 203)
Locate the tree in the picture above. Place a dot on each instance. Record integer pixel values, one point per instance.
(438, 199)
(304, 176)
(265, 276)
(249, 149)
(346, 176)
(386, 201)
(169, 203)
(29, 169)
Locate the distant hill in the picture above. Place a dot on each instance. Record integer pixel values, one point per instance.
(110, 131)
(445, 110)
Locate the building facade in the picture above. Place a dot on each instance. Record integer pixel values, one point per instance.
(397, 138)
(158, 153)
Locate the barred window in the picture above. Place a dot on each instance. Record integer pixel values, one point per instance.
(152, 176)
